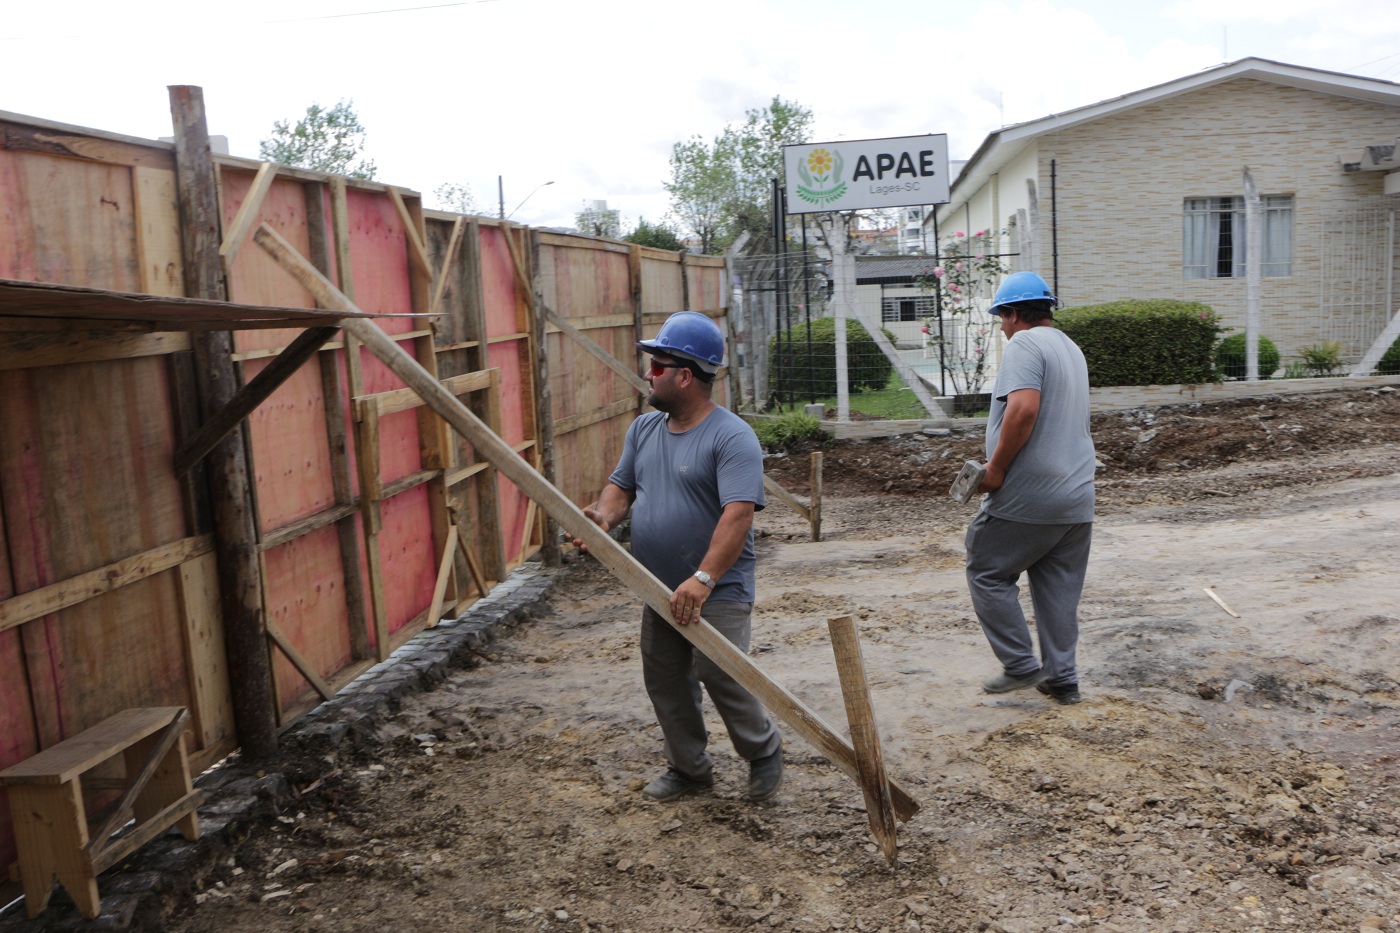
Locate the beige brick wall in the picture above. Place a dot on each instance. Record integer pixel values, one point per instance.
(1121, 181)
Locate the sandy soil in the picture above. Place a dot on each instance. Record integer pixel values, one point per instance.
(1223, 774)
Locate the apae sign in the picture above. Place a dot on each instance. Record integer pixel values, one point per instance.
(865, 173)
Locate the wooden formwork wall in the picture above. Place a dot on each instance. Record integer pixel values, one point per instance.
(364, 502)
(108, 589)
(615, 294)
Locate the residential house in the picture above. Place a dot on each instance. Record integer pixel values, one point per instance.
(1143, 196)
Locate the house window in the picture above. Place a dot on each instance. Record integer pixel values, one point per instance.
(1213, 235)
(909, 308)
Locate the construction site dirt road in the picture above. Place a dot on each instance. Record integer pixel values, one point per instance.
(1235, 765)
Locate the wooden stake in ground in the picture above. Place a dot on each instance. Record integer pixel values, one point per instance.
(804, 721)
(870, 762)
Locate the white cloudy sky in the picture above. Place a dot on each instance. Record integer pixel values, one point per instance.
(591, 94)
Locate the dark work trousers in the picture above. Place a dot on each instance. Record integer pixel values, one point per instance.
(1054, 559)
(673, 670)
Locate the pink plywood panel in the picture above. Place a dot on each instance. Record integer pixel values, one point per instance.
(291, 454)
(305, 587)
(498, 285)
(398, 445)
(379, 259)
(67, 221)
(255, 278)
(407, 551)
(514, 507)
(506, 357)
(86, 480)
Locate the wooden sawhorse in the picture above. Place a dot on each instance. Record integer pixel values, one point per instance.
(50, 816)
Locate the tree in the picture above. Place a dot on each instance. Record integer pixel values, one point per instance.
(456, 197)
(758, 149)
(701, 185)
(324, 141)
(598, 220)
(724, 187)
(659, 236)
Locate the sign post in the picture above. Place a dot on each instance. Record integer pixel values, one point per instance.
(863, 174)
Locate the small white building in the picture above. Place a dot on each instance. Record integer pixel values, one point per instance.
(1142, 196)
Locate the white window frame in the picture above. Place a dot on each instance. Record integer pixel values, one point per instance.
(1213, 237)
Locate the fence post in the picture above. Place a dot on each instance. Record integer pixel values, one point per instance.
(235, 537)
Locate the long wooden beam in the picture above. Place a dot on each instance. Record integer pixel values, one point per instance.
(792, 711)
(253, 394)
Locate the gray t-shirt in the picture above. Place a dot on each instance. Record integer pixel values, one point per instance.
(683, 482)
(1051, 481)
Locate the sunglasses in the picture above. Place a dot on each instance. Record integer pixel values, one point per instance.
(659, 368)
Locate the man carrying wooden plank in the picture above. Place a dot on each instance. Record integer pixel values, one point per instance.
(691, 475)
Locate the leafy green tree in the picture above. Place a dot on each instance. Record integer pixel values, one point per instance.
(758, 149)
(324, 141)
(701, 186)
(659, 236)
(456, 197)
(722, 187)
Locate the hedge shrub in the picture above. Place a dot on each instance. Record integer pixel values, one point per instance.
(815, 371)
(1144, 342)
(1390, 360)
(1229, 357)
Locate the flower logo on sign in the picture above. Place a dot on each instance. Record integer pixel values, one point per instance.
(821, 176)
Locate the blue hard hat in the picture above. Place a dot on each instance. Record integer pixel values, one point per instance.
(689, 335)
(1022, 286)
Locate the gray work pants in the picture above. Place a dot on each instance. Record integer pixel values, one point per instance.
(673, 670)
(1054, 559)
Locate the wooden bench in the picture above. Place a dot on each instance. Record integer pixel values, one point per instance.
(53, 832)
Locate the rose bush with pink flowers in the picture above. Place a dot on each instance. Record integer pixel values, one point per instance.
(965, 281)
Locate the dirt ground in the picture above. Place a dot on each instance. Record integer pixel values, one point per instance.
(1223, 773)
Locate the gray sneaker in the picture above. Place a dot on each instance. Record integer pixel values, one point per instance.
(1005, 683)
(766, 776)
(673, 784)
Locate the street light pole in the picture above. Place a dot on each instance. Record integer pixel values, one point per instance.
(501, 196)
(522, 203)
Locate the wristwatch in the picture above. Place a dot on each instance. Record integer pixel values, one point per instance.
(705, 578)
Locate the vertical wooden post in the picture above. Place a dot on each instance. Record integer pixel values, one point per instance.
(487, 406)
(434, 437)
(814, 500)
(634, 275)
(544, 399)
(865, 738)
(235, 533)
(320, 250)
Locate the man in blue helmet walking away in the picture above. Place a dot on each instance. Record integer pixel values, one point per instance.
(1037, 517)
(691, 475)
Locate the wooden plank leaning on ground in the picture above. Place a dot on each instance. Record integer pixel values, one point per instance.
(792, 711)
(860, 716)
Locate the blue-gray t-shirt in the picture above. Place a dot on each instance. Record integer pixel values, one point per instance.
(682, 482)
(1051, 481)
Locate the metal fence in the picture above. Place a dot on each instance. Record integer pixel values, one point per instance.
(1328, 303)
(1335, 292)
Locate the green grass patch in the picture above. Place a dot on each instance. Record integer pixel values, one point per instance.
(895, 402)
